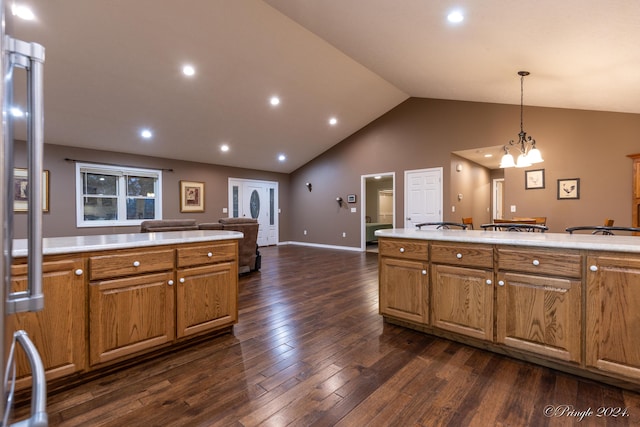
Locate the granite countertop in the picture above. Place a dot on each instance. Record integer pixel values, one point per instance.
(75, 244)
(545, 240)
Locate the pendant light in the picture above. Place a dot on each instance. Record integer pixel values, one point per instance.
(529, 154)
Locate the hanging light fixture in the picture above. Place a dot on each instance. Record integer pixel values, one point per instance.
(529, 154)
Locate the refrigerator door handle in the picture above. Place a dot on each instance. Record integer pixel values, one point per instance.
(39, 417)
(30, 56)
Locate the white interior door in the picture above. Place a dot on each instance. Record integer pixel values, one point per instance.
(498, 199)
(423, 196)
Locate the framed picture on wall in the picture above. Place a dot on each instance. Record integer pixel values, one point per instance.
(191, 196)
(534, 179)
(21, 190)
(568, 188)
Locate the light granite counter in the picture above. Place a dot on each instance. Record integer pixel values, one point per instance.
(76, 244)
(545, 240)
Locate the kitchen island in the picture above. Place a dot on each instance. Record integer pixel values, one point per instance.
(567, 301)
(111, 299)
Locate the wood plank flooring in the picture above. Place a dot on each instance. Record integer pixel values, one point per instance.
(311, 349)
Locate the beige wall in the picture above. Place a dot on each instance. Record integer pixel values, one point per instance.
(417, 134)
(473, 183)
(61, 219)
(422, 133)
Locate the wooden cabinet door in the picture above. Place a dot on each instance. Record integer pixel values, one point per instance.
(130, 315)
(540, 314)
(57, 331)
(462, 300)
(206, 298)
(612, 314)
(404, 289)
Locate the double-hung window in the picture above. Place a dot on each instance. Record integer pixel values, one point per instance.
(109, 196)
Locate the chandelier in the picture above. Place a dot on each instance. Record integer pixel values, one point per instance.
(529, 154)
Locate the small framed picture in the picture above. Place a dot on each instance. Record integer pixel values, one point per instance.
(21, 190)
(534, 179)
(351, 198)
(191, 196)
(568, 188)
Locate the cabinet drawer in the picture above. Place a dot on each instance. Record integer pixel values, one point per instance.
(124, 264)
(555, 263)
(409, 249)
(467, 255)
(207, 254)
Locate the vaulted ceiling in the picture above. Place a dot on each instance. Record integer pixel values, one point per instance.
(113, 67)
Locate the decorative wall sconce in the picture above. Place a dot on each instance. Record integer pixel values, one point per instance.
(309, 186)
(339, 200)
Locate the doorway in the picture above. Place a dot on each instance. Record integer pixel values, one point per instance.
(258, 200)
(377, 207)
(422, 196)
(498, 199)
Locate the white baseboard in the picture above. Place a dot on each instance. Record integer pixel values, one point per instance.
(318, 245)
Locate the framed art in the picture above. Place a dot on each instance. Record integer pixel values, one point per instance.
(21, 190)
(534, 179)
(569, 188)
(191, 196)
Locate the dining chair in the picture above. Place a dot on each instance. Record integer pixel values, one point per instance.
(468, 221)
(442, 225)
(540, 220)
(603, 229)
(504, 226)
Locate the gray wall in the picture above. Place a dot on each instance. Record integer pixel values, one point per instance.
(422, 133)
(417, 134)
(61, 219)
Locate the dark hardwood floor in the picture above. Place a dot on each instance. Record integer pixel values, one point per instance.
(311, 349)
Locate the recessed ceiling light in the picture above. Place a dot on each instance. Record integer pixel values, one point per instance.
(146, 133)
(455, 17)
(333, 121)
(23, 12)
(488, 155)
(188, 70)
(377, 177)
(274, 100)
(282, 157)
(224, 148)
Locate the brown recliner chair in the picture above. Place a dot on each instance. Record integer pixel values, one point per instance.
(153, 225)
(249, 258)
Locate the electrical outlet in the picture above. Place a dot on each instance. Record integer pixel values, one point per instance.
(453, 208)
(344, 234)
(513, 208)
(305, 232)
(225, 210)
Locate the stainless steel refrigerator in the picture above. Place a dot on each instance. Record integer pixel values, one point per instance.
(24, 59)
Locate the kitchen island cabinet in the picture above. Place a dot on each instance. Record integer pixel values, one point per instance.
(110, 299)
(613, 317)
(538, 302)
(404, 279)
(462, 282)
(57, 331)
(564, 301)
(206, 289)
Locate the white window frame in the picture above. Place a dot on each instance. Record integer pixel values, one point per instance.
(120, 171)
